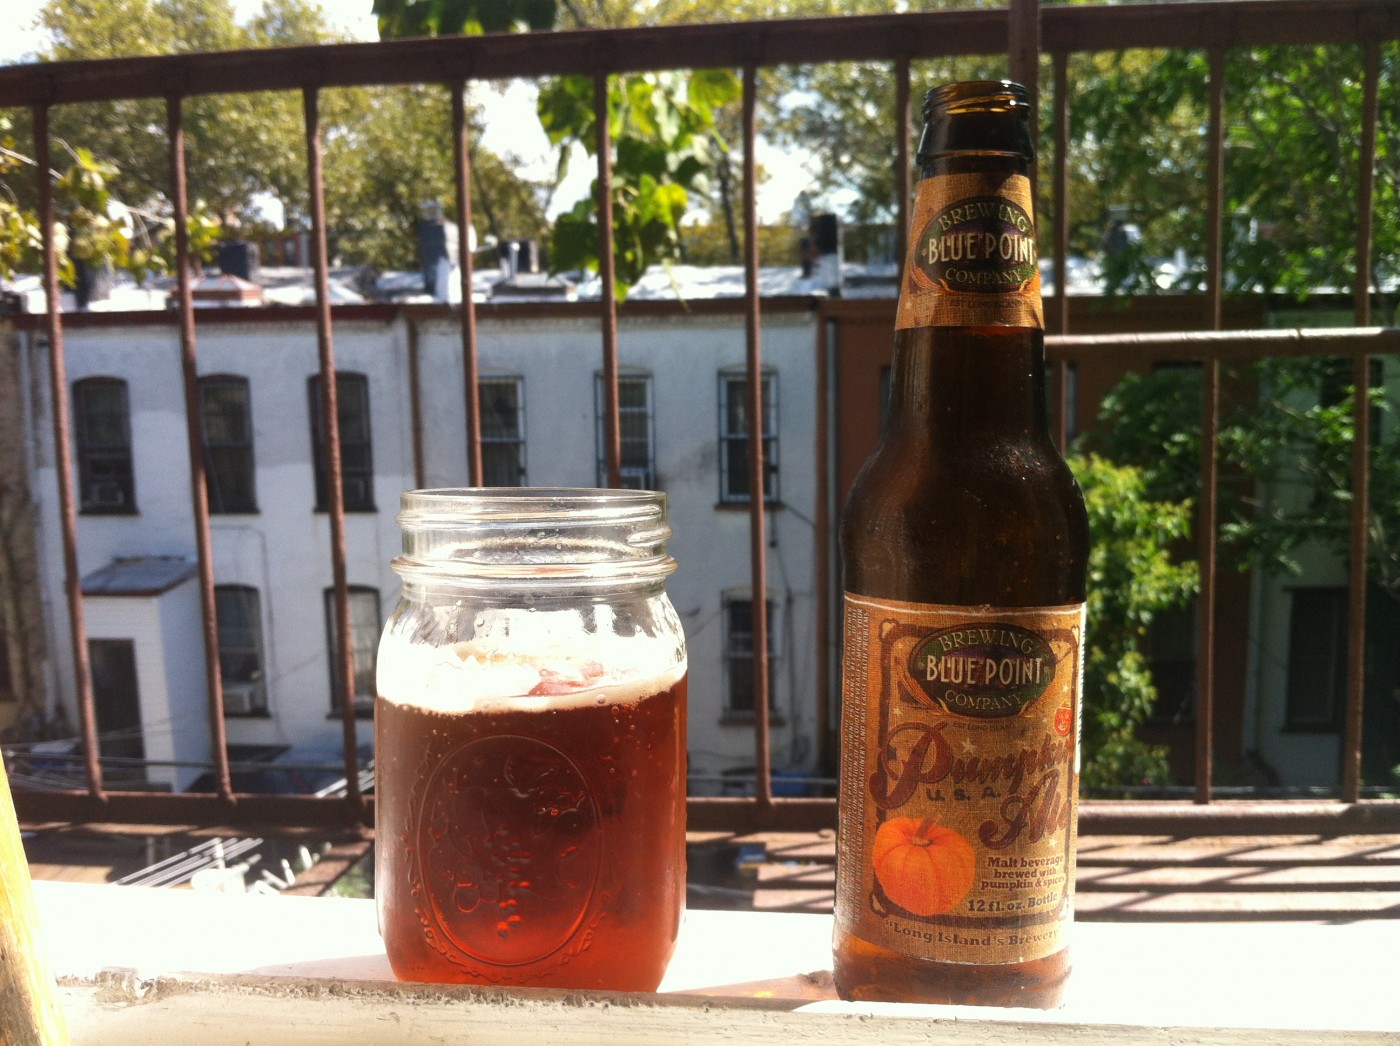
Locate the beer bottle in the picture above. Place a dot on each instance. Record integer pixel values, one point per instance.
(965, 546)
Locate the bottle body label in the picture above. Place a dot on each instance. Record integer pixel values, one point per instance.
(959, 778)
(972, 259)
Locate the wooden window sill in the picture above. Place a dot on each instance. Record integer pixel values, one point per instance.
(138, 965)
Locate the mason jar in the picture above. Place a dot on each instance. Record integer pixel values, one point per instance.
(530, 741)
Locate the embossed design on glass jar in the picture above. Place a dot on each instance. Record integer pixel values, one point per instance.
(511, 821)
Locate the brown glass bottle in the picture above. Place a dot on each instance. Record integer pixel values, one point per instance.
(965, 547)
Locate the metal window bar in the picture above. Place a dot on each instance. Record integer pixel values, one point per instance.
(600, 53)
(63, 464)
(1060, 194)
(1361, 430)
(344, 667)
(754, 416)
(612, 426)
(471, 375)
(194, 428)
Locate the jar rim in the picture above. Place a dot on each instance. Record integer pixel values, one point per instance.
(435, 506)
(553, 537)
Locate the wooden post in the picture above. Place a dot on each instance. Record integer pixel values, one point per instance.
(29, 1013)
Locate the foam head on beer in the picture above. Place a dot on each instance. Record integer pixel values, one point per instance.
(526, 660)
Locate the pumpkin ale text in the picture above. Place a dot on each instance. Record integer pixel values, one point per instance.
(965, 550)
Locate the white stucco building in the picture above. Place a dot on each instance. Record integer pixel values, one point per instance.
(681, 373)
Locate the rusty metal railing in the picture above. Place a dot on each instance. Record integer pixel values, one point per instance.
(1023, 32)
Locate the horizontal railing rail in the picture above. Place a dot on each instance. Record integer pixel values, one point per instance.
(1024, 32)
(1214, 24)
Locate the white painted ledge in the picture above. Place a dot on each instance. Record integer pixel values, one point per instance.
(150, 967)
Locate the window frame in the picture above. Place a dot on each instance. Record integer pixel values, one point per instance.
(644, 476)
(1308, 633)
(366, 643)
(1170, 649)
(738, 662)
(103, 465)
(491, 439)
(256, 649)
(243, 501)
(356, 477)
(734, 439)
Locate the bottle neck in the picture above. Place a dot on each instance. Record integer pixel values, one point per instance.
(955, 385)
(959, 383)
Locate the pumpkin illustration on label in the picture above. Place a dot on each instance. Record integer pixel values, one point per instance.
(924, 867)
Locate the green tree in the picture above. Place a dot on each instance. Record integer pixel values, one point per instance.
(91, 226)
(1285, 445)
(384, 166)
(1132, 576)
(237, 146)
(662, 127)
(388, 149)
(454, 17)
(1292, 154)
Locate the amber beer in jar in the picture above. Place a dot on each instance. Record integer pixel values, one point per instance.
(530, 742)
(965, 546)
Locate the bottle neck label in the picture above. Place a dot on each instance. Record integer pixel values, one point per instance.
(959, 778)
(972, 259)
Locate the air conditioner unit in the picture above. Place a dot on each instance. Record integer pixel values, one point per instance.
(240, 698)
(106, 495)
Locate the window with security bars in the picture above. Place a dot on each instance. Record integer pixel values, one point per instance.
(734, 481)
(356, 452)
(636, 429)
(1317, 656)
(102, 442)
(238, 612)
(739, 652)
(364, 645)
(502, 431)
(1170, 650)
(227, 422)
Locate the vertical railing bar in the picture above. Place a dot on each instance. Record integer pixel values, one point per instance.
(1361, 435)
(903, 174)
(330, 417)
(1205, 665)
(1215, 201)
(1210, 427)
(822, 535)
(1356, 578)
(63, 461)
(758, 544)
(1023, 50)
(1366, 182)
(471, 368)
(1060, 188)
(194, 427)
(612, 422)
(415, 401)
(1060, 194)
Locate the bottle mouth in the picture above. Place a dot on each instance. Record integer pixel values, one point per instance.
(990, 118)
(546, 536)
(977, 96)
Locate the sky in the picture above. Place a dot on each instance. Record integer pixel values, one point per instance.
(511, 124)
